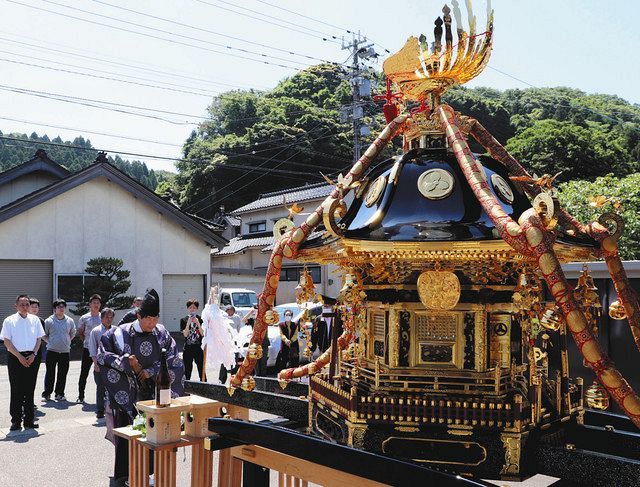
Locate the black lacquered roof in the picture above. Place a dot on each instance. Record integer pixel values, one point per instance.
(407, 215)
(403, 214)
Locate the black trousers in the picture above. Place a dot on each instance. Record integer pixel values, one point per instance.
(87, 363)
(22, 381)
(99, 392)
(60, 360)
(190, 354)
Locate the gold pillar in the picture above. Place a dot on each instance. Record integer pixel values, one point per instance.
(512, 452)
(394, 337)
(480, 340)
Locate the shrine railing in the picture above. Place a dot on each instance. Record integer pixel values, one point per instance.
(422, 408)
(456, 381)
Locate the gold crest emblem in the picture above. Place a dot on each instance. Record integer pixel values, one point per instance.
(439, 290)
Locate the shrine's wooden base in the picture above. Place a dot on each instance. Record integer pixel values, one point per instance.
(292, 471)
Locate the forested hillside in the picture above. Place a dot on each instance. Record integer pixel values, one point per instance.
(13, 153)
(255, 142)
(262, 141)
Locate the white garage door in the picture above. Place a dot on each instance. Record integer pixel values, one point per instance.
(32, 277)
(176, 289)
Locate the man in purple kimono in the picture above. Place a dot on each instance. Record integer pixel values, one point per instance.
(129, 358)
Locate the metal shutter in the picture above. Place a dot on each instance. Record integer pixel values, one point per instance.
(32, 277)
(176, 289)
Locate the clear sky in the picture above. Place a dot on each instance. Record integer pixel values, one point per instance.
(590, 45)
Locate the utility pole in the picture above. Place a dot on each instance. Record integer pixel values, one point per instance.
(360, 87)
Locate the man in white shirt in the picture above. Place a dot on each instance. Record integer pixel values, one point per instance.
(22, 334)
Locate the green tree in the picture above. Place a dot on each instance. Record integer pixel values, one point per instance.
(487, 106)
(293, 130)
(81, 155)
(109, 280)
(580, 152)
(574, 197)
(296, 128)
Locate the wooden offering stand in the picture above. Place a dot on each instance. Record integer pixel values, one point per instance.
(163, 424)
(200, 410)
(164, 437)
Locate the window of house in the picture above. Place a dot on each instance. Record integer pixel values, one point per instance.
(76, 288)
(293, 273)
(258, 227)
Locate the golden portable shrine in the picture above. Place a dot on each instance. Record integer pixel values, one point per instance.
(455, 310)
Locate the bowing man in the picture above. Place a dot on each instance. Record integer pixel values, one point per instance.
(129, 360)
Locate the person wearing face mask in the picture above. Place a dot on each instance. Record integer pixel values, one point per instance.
(289, 355)
(191, 327)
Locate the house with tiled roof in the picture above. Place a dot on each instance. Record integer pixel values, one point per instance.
(53, 221)
(243, 261)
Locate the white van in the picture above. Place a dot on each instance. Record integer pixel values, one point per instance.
(241, 299)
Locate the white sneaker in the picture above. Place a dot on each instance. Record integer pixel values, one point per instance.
(152, 480)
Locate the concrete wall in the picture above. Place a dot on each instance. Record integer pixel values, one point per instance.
(100, 219)
(24, 185)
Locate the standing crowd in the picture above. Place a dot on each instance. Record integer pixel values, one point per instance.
(125, 358)
(31, 340)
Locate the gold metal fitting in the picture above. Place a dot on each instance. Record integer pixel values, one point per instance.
(271, 317)
(597, 396)
(255, 351)
(617, 311)
(248, 384)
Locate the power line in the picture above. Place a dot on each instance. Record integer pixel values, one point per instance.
(252, 154)
(93, 70)
(137, 83)
(325, 37)
(305, 16)
(137, 66)
(570, 105)
(275, 18)
(348, 31)
(88, 102)
(173, 41)
(162, 31)
(260, 168)
(286, 51)
(90, 132)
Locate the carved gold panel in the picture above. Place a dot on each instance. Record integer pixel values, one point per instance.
(439, 290)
